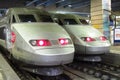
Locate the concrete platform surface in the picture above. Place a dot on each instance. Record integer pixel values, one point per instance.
(6, 72)
(113, 57)
(115, 49)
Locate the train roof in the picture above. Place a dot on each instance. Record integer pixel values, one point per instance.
(69, 16)
(25, 10)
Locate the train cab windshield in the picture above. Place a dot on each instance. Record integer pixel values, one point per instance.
(31, 18)
(83, 21)
(45, 18)
(27, 18)
(73, 22)
(69, 21)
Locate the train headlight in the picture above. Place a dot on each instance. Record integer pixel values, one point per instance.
(88, 39)
(41, 42)
(64, 41)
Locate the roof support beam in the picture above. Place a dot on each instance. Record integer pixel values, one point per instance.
(80, 5)
(63, 3)
(30, 3)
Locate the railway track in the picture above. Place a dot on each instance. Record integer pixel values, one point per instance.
(97, 70)
(74, 71)
(77, 75)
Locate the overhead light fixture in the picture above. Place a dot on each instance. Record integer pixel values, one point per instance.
(60, 1)
(69, 5)
(117, 16)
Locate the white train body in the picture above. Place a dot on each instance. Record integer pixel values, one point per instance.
(87, 40)
(82, 46)
(33, 40)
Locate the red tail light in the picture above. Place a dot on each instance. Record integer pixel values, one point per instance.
(42, 42)
(13, 37)
(64, 41)
(88, 39)
(103, 38)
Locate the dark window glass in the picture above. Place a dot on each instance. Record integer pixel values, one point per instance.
(70, 21)
(45, 18)
(27, 18)
(13, 20)
(117, 23)
(83, 21)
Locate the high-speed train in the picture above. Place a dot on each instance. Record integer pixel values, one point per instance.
(32, 38)
(88, 41)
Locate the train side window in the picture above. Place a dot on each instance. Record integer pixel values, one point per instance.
(13, 19)
(2, 35)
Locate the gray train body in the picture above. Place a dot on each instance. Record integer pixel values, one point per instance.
(30, 35)
(80, 31)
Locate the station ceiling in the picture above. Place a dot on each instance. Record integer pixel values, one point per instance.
(75, 5)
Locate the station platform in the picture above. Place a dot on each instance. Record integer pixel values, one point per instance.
(113, 57)
(115, 49)
(6, 72)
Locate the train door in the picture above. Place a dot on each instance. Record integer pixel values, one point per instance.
(7, 34)
(9, 45)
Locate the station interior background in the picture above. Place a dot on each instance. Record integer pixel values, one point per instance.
(101, 14)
